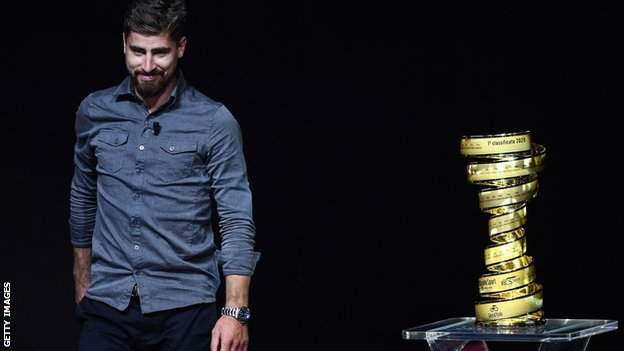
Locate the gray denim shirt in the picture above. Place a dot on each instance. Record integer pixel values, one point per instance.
(144, 199)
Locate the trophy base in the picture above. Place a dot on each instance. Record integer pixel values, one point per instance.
(532, 319)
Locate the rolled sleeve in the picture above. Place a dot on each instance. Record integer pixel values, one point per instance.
(84, 183)
(238, 262)
(232, 195)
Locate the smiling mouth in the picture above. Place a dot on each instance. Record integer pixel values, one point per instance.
(144, 77)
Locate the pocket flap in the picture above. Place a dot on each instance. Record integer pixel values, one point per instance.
(176, 147)
(112, 137)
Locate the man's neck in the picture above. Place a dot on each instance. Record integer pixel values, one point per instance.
(155, 102)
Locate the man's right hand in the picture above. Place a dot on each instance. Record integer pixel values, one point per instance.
(82, 272)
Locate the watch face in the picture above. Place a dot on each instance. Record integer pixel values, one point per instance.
(243, 314)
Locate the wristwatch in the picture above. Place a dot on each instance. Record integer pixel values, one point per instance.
(242, 314)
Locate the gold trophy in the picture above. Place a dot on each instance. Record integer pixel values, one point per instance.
(506, 167)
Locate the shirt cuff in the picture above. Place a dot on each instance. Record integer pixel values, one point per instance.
(81, 245)
(79, 238)
(237, 262)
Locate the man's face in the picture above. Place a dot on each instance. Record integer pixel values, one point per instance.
(151, 61)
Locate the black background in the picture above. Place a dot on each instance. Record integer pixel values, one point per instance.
(351, 117)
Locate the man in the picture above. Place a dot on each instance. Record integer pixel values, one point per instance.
(155, 163)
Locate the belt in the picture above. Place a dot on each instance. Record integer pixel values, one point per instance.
(135, 291)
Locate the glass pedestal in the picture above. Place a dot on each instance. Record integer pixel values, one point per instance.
(462, 334)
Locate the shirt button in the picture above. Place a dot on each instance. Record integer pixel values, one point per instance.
(171, 148)
(136, 247)
(136, 196)
(138, 170)
(141, 147)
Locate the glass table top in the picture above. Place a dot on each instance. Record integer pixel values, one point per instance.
(554, 330)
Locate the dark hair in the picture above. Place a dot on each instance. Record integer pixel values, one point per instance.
(153, 17)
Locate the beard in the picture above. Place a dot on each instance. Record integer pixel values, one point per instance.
(150, 88)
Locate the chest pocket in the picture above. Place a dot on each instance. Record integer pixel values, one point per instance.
(109, 150)
(175, 160)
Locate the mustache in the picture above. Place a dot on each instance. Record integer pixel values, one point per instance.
(149, 74)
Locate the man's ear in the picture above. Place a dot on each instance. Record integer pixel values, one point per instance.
(123, 37)
(181, 47)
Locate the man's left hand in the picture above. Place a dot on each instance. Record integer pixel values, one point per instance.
(229, 334)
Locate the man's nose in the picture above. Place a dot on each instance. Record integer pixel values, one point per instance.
(148, 64)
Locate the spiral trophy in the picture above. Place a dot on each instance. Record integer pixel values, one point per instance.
(506, 166)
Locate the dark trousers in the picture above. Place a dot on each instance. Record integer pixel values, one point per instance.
(105, 328)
